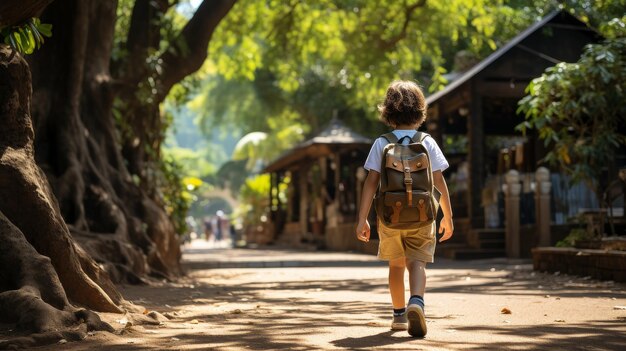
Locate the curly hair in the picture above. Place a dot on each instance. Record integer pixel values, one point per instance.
(404, 104)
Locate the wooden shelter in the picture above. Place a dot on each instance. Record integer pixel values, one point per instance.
(474, 120)
(315, 188)
(475, 116)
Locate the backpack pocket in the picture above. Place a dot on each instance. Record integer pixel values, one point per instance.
(415, 163)
(395, 175)
(397, 210)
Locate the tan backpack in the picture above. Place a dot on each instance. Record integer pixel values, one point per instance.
(406, 197)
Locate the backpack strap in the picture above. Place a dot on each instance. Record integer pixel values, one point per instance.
(400, 141)
(419, 137)
(390, 137)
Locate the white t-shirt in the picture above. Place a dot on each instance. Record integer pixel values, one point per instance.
(438, 161)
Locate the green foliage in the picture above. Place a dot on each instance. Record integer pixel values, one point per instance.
(578, 108)
(595, 13)
(313, 58)
(186, 144)
(254, 199)
(307, 61)
(25, 38)
(285, 68)
(176, 190)
(573, 236)
(122, 25)
(259, 148)
(195, 163)
(386, 39)
(232, 175)
(615, 28)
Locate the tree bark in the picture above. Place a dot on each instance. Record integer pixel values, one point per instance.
(69, 207)
(118, 223)
(13, 12)
(39, 262)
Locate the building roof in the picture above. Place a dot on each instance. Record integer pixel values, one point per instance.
(460, 80)
(336, 133)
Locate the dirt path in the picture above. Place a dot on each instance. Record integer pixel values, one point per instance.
(266, 300)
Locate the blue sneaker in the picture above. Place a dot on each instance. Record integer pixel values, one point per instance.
(417, 320)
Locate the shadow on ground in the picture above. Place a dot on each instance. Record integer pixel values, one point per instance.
(298, 312)
(261, 326)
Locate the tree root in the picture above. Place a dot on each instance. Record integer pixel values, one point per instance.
(32, 296)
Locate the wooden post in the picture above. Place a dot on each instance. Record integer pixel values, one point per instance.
(542, 205)
(268, 231)
(281, 215)
(336, 159)
(512, 190)
(272, 176)
(304, 203)
(323, 193)
(338, 181)
(290, 196)
(475, 129)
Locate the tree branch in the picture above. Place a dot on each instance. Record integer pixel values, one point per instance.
(190, 49)
(143, 32)
(13, 12)
(408, 13)
(286, 18)
(143, 36)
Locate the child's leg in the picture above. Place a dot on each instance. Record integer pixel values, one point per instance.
(415, 307)
(417, 276)
(396, 282)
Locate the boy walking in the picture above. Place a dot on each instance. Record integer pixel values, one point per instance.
(406, 217)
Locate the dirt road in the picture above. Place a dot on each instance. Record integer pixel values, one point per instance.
(270, 299)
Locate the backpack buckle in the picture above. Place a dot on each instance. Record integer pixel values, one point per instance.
(408, 180)
(407, 176)
(408, 183)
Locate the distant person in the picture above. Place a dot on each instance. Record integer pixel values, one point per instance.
(233, 234)
(219, 222)
(406, 216)
(208, 228)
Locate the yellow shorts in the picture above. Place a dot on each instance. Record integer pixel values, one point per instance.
(418, 244)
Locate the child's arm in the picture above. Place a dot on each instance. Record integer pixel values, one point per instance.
(369, 188)
(446, 227)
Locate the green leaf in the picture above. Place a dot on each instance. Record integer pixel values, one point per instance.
(37, 36)
(17, 41)
(32, 43)
(45, 29)
(26, 38)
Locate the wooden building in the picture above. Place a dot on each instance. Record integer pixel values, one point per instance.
(474, 120)
(315, 189)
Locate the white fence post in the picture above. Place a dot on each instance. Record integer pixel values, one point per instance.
(542, 205)
(512, 191)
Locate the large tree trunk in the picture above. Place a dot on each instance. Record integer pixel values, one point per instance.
(82, 185)
(71, 182)
(118, 223)
(39, 262)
